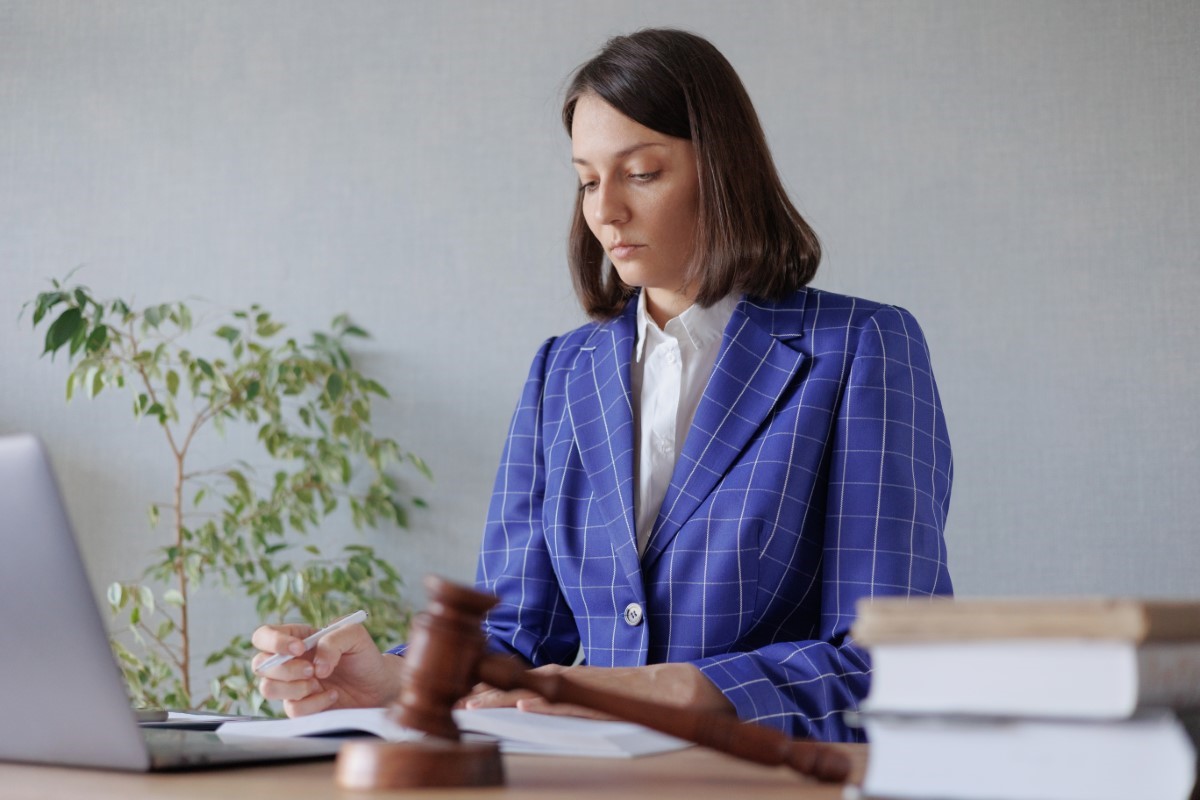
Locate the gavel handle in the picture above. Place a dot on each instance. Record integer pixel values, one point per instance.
(718, 731)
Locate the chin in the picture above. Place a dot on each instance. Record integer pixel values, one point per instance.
(629, 280)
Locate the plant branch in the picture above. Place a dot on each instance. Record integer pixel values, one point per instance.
(166, 649)
(276, 387)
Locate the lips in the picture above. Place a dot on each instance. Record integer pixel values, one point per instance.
(624, 250)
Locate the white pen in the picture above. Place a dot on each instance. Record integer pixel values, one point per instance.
(311, 641)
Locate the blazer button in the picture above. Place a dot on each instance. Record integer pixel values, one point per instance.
(633, 615)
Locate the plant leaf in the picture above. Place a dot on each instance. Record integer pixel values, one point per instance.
(63, 329)
(97, 339)
(116, 595)
(334, 386)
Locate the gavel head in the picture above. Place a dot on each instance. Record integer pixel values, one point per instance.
(442, 658)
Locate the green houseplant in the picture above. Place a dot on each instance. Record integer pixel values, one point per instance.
(235, 525)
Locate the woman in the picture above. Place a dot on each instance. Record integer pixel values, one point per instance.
(699, 485)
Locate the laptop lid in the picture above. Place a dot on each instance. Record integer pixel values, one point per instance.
(62, 697)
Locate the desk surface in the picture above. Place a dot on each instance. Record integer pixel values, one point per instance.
(693, 774)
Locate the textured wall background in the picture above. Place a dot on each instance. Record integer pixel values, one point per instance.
(1025, 177)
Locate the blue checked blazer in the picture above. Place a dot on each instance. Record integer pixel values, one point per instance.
(817, 471)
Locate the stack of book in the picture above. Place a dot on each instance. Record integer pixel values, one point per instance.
(1055, 699)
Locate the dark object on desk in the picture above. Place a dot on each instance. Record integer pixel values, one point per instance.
(145, 715)
(187, 720)
(446, 658)
(440, 763)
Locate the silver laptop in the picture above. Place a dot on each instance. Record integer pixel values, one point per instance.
(62, 698)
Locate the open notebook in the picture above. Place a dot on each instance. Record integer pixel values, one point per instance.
(517, 731)
(62, 700)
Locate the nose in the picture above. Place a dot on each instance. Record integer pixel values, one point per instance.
(610, 207)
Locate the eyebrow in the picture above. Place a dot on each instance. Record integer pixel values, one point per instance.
(633, 148)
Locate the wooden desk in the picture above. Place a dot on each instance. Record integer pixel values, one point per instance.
(693, 774)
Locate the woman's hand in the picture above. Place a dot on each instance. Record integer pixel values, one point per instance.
(344, 670)
(669, 684)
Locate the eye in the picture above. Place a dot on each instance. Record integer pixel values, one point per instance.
(587, 188)
(644, 177)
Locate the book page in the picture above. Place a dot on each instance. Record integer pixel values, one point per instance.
(518, 731)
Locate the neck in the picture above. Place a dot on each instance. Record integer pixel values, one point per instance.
(663, 305)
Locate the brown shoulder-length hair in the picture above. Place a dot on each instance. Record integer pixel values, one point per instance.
(749, 236)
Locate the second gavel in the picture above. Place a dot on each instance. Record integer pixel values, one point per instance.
(447, 657)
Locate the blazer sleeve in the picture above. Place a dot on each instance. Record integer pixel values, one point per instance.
(532, 619)
(887, 496)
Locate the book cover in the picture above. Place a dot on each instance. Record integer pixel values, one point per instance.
(1148, 757)
(1091, 678)
(893, 619)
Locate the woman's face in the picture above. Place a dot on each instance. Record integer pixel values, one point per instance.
(641, 197)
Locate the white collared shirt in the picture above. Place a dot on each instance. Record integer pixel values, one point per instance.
(670, 369)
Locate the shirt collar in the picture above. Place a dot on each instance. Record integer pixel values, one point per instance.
(697, 325)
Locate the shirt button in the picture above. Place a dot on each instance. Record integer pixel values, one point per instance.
(633, 615)
(672, 356)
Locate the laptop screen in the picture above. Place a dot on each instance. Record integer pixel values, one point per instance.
(63, 695)
(63, 699)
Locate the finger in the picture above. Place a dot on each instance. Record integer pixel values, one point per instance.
(320, 701)
(294, 670)
(288, 690)
(539, 705)
(280, 638)
(494, 698)
(478, 688)
(328, 654)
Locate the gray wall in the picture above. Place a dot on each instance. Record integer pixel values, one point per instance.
(1022, 176)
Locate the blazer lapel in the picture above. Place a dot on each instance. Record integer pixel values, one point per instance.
(598, 400)
(756, 364)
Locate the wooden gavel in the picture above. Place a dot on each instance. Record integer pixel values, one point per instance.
(446, 658)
